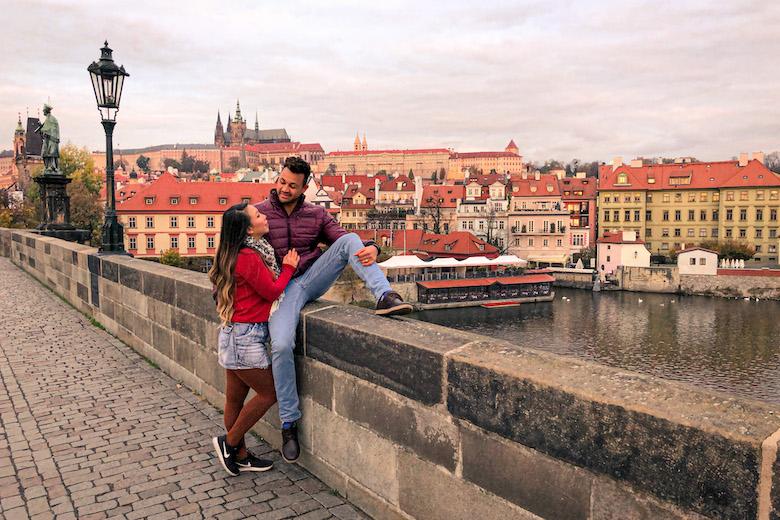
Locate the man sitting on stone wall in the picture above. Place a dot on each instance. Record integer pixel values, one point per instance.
(295, 224)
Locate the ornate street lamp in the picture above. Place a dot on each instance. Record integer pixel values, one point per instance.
(107, 82)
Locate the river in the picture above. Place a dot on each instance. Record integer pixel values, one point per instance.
(722, 344)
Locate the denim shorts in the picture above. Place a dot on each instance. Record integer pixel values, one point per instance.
(244, 345)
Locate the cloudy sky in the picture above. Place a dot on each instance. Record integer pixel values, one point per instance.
(582, 79)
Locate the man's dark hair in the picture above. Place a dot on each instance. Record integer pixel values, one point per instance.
(299, 166)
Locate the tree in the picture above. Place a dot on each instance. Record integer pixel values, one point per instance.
(331, 169)
(143, 163)
(86, 210)
(432, 209)
(171, 257)
(121, 163)
(442, 173)
(730, 249)
(586, 255)
(234, 163)
(172, 163)
(772, 161)
(187, 162)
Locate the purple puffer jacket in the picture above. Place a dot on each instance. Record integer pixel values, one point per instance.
(303, 230)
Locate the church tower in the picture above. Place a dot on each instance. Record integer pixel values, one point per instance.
(19, 140)
(238, 128)
(364, 146)
(357, 142)
(512, 147)
(219, 133)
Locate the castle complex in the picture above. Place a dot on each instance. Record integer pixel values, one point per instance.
(237, 134)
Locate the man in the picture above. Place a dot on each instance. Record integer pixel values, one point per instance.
(295, 224)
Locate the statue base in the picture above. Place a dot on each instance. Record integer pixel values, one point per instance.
(56, 209)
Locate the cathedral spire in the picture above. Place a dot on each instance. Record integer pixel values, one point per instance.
(238, 112)
(357, 142)
(365, 143)
(19, 127)
(257, 123)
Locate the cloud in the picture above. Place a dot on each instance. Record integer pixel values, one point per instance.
(564, 79)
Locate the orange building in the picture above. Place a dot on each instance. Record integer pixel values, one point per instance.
(422, 162)
(509, 161)
(185, 216)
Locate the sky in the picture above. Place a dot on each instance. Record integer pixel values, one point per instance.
(564, 79)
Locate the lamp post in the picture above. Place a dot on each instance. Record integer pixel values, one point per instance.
(107, 82)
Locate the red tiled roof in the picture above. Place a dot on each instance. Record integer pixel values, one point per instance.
(449, 194)
(405, 182)
(588, 186)
(617, 238)
(712, 175)
(511, 144)
(546, 186)
(207, 193)
(380, 152)
(311, 147)
(482, 282)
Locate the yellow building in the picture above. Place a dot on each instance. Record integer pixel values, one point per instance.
(422, 162)
(507, 162)
(674, 206)
(185, 216)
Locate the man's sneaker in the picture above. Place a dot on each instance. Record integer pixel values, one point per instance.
(290, 448)
(226, 454)
(252, 463)
(391, 304)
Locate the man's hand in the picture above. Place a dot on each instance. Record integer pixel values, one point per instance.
(367, 255)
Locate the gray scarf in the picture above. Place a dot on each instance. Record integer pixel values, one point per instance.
(262, 246)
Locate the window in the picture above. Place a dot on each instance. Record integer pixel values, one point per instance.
(760, 195)
(149, 200)
(174, 201)
(191, 242)
(702, 197)
(691, 232)
(742, 233)
(636, 215)
(665, 245)
(648, 215)
(729, 214)
(622, 178)
(702, 261)
(691, 197)
(772, 248)
(743, 214)
(677, 215)
(666, 215)
(210, 242)
(729, 195)
(616, 215)
(175, 242)
(678, 197)
(715, 214)
(703, 232)
(174, 222)
(666, 197)
(729, 233)
(608, 258)
(545, 242)
(150, 243)
(210, 222)
(649, 197)
(222, 201)
(759, 214)
(773, 195)
(772, 233)
(193, 200)
(714, 233)
(559, 243)
(665, 232)
(648, 232)
(692, 261)
(530, 242)
(131, 222)
(150, 222)
(606, 215)
(677, 232)
(245, 200)
(190, 222)
(691, 214)
(132, 243)
(758, 248)
(743, 195)
(773, 214)
(627, 215)
(716, 197)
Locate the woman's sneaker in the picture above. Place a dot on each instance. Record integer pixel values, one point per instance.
(252, 463)
(226, 455)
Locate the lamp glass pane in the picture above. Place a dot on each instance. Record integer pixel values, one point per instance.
(96, 87)
(119, 83)
(108, 89)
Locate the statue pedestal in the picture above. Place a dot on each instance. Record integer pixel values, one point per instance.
(56, 209)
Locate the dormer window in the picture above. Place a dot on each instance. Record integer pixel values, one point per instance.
(174, 201)
(622, 178)
(193, 200)
(245, 200)
(223, 200)
(549, 188)
(533, 189)
(149, 200)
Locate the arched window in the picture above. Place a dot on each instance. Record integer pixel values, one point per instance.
(622, 178)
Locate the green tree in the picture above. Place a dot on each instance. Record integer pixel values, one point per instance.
(143, 163)
(411, 174)
(171, 257)
(730, 249)
(86, 210)
(172, 163)
(234, 163)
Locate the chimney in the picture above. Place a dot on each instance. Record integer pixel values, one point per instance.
(759, 156)
(637, 163)
(617, 162)
(524, 175)
(743, 158)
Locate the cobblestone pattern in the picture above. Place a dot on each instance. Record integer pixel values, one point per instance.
(88, 429)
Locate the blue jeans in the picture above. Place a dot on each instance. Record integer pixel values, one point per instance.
(308, 287)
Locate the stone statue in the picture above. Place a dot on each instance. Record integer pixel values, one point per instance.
(50, 150)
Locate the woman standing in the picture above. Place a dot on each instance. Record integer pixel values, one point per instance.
(248, 285)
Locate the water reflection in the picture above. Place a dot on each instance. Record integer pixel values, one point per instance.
(726, 345)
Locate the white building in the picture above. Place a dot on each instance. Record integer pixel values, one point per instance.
(621, 248)
(697, 260)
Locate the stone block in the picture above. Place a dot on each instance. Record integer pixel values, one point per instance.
(109, 269)
(189, 326)
(533, 481)
(159, 286)
(162, 339)
(130, 277)
(315, 380)
(371, 503)
(93, 264)
(696, 449)
(193, 294)
(94, 290)
(107, 307)
(133, 299)
(418, 428)
(613, 501)
(185, 352)
(208, 370)
(355, 451)
(427, 491)
(82, 292)
(160, 312)
(404, 356)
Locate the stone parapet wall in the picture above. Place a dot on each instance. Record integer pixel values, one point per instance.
(731, 286)
(573, 279)
(348, 292)
(413, 420)
(648, 279)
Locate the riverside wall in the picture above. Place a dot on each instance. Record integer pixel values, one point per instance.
(413, 420)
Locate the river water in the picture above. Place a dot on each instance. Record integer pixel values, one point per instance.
(722, 344)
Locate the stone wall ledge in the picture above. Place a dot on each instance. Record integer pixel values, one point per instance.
(513, 429)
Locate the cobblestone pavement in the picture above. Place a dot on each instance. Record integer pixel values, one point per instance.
(88, 429)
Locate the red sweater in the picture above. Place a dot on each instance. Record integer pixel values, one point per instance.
(256, 288)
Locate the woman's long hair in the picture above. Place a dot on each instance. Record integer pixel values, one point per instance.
(235, 224)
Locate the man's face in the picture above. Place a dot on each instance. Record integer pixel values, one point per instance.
(289, 186)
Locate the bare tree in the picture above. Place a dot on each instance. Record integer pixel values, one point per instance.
(431, 209)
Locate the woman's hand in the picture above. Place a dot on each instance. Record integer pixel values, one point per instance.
(291, 258)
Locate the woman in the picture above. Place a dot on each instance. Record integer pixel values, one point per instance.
(248, 284)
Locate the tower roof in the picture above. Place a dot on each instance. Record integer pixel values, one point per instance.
(19, 127)
(238, 112)
(357, 139)
(219, 121)
(257, 122)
